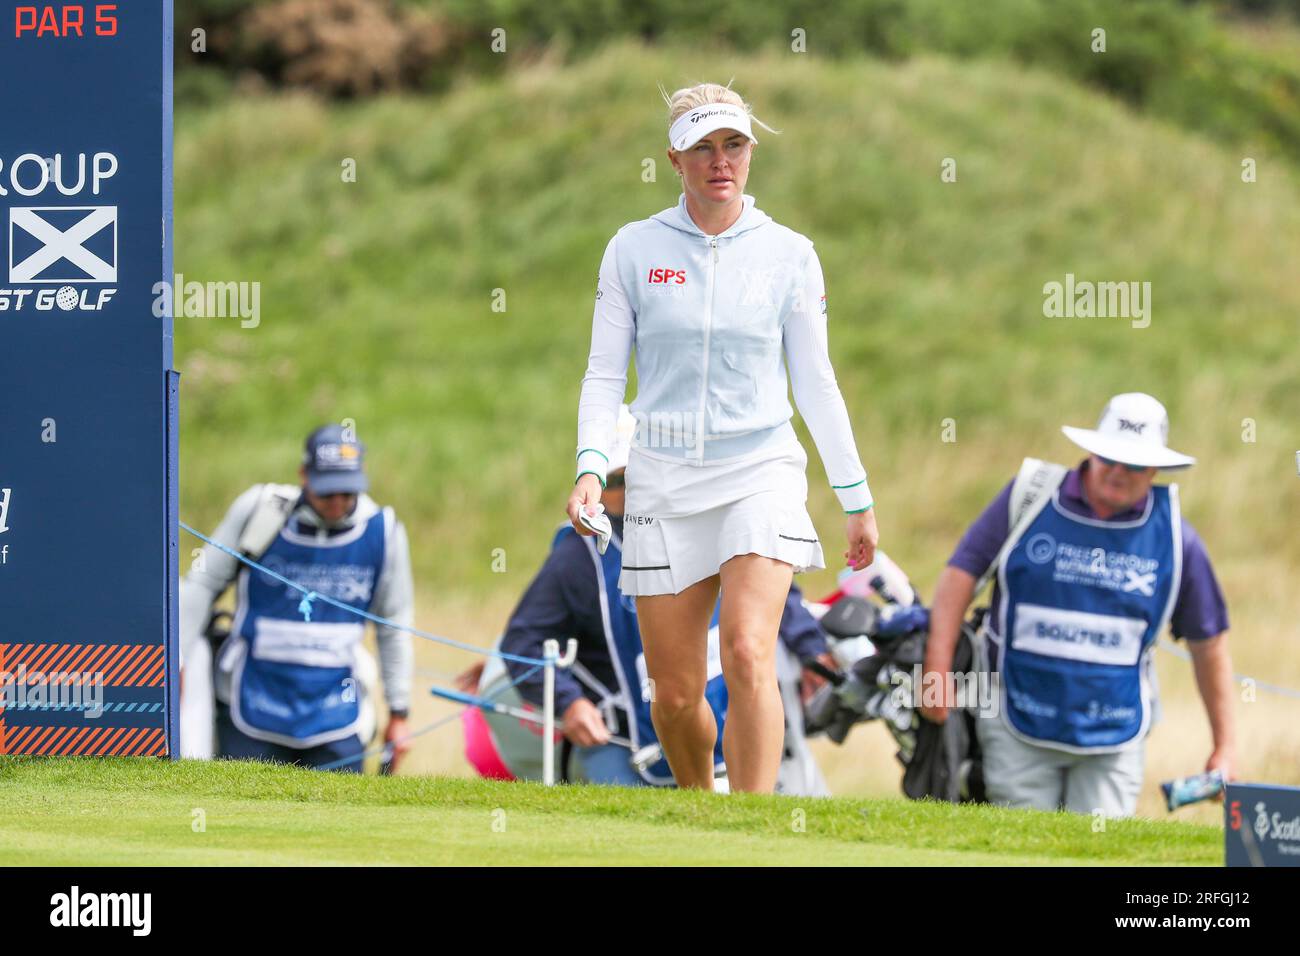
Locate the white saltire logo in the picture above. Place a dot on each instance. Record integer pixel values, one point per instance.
(1143, 583)
(62, 244)
(4, 509)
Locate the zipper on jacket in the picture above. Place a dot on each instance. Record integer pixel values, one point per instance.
(708, 324)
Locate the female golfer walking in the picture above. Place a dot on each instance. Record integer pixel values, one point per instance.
(714, 295)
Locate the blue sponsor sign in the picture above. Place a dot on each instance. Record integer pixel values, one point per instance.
(1261, 825)
(88, 464)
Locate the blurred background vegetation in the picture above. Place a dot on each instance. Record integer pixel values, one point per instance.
(479, 171)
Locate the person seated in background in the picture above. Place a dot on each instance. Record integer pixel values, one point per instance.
(290, 686)
(606, 693)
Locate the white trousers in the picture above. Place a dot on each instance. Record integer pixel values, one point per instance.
(1020, 774)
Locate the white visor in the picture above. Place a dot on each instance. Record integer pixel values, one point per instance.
(694, 125)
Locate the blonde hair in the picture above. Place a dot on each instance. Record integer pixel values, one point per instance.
(702, 94)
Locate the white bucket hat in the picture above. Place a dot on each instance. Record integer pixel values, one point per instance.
(694, 125)
(1133, 429)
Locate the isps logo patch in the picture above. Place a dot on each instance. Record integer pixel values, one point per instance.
(669, 282)
(661, 276)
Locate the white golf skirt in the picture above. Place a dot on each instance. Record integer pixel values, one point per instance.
(682, 522)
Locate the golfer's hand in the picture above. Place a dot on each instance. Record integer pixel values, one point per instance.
(467, 680)
(935, 715)
(1225, 760)
(396, 738)
(586, 494)
(863, 537)
(810, 681)
(583, 724)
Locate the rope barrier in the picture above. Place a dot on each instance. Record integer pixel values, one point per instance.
(1271, 688)
(386, 749)
(305, 607)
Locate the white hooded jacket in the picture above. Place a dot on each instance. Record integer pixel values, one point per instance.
(711, 318)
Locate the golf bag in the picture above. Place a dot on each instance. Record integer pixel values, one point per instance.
(881, 651)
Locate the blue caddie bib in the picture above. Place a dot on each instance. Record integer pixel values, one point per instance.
(1082, 604)
(295, 684)
(618, 613)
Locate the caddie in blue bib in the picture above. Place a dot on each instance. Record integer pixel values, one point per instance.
(295, 684)
(1083, 602)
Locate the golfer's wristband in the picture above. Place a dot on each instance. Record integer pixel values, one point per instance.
(854, 497)
(594, 462)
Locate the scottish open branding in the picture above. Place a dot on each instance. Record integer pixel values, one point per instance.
(89, 389)
(350, 583)
(54, 253)
(1261, 825)
(1027, 703)
(1104, 710)
(1095, 567)
(1278, 828)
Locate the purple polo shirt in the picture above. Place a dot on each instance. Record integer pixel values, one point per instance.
(1199, 612)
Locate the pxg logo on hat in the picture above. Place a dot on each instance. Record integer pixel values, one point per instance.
(334, 461)
(1133, 429)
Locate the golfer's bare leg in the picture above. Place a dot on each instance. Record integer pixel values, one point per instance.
(754, 589)
(675, 636)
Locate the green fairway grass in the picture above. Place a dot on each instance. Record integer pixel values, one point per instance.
(78, 812)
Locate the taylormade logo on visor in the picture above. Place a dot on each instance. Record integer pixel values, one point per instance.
(697, 116)
(692, 125)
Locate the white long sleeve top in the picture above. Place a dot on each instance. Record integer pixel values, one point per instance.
(711, 318)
